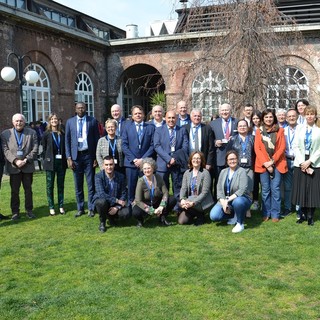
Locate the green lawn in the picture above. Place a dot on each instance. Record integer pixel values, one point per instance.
(64, 268)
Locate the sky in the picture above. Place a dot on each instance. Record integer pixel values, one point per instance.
(120, 13)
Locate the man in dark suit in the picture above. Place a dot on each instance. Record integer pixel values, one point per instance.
(183, 116)
(223, 128)
(111, 194)
(171, 146)
(20, 148)
(137, 143)
(116, 113)
(201, 138)
(82, 135)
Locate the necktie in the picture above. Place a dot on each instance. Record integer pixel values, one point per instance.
(227, 131)
(139, 132)
(196, 139)
(172, 138)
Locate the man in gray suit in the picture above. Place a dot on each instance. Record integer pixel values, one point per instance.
(20, 148)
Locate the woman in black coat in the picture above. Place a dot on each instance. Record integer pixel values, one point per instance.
(54, 161)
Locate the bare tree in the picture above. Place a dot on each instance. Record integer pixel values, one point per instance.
(244, 44)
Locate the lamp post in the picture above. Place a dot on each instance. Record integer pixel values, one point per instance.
(9, 74)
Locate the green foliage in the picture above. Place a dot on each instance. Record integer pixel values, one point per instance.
(158, 98)
(64, 268)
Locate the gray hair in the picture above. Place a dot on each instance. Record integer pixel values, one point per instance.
(280, 111)
(149, 161)
(196, 110)
(20, 115)
(114, 122)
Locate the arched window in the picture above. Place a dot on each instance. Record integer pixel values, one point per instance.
(284, 92)
(36, 97)
(83, 92)
(208, 92)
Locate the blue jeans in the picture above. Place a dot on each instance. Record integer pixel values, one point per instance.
(287, 181)
(239, 206)
(270, 194)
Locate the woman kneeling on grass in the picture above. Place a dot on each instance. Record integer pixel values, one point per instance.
(152, 196)
(232, 194)
(195, 193)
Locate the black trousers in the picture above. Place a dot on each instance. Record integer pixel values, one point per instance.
(15, 183)
(140, 214)
(102, 206)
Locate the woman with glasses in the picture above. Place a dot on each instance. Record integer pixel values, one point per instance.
(232, 193)
(243, 143)
(306, 173)
(195, 193)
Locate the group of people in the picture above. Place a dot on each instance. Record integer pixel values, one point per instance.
(216, 168)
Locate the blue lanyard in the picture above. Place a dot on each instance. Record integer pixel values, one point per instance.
(113, 147)
(244, 144)
(19, 140)
(308, 139)
(228, 183)
(151, 190)
(193, 183)
(57, 142)
(291, 140)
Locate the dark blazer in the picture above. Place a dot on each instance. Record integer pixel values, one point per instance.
(71, 141)
(48, 156)
(29, 148)
(207, 142)
(130, 143)
(187, 119)
(123, 123)
(216, 126)
(204, 198)
(162, 145)
(103, 190)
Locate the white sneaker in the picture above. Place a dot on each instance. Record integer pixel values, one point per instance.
(255, 206)
(232, 220)
(238, 228)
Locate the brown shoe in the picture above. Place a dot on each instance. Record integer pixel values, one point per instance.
(275, 220)
(265, 218)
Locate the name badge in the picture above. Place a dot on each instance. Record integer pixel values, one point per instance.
(244, 160)
(173, 149)
(80, 139)
(307, 152)
(19, 153)
(58, 156)
(224, 140)
(115, 161)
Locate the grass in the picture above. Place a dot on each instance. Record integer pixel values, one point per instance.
(63, 268)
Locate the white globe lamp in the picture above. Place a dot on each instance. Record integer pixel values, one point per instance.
(32, 76)
(8, 74)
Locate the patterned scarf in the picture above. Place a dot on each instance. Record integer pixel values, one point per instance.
(269, 138)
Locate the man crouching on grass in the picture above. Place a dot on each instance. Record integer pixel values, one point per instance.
(111, 194)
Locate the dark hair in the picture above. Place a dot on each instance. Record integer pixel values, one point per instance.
(108, 158)
(256, 113)
(137, 107)
(304, 101)
(231, 152)
(203, 160)
(242, 120)
(266, 111)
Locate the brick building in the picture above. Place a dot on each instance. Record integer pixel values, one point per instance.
(81, 58)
